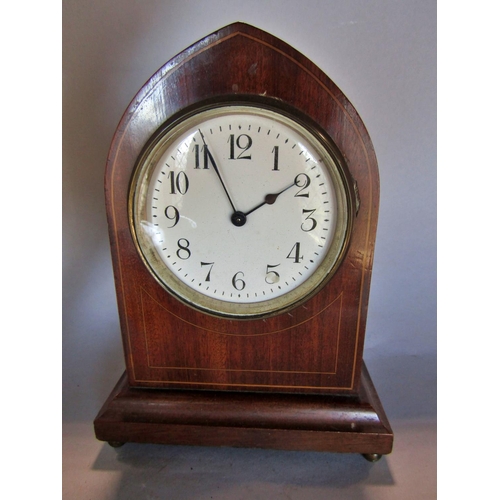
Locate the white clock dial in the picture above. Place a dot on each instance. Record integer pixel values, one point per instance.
(240, 211)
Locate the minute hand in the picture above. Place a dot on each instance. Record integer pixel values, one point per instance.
(269, 199)
(212, 161)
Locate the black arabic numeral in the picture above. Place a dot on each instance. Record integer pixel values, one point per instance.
(272, 276)
(238, 283)
(309, 218)
(243, 142)
(276, 154)
(295, 253)
(178, 183)
(183, 252)
(175, 216)
(196, 150)
(211, 264)
(302, 181)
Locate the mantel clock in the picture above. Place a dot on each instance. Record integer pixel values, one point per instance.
(242, 199)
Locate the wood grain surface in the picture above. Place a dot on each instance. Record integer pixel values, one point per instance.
(315, 348)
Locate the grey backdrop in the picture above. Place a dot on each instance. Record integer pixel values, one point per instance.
(382, 54)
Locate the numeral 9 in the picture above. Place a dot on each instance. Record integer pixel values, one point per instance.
(172, 216)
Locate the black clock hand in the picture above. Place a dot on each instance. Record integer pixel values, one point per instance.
(269, 199)
(217, 170)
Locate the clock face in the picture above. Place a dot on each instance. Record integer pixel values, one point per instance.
(240, 210)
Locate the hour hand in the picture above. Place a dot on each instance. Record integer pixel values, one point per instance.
(240, 218)
(269, 199)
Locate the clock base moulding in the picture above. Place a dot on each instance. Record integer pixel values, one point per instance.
(348, 424)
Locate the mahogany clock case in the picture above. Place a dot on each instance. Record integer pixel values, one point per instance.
(302, 370)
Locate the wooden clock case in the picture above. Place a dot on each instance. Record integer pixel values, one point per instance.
(295, 380)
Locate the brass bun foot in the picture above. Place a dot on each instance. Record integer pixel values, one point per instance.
(115, 444)
(372, 457)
